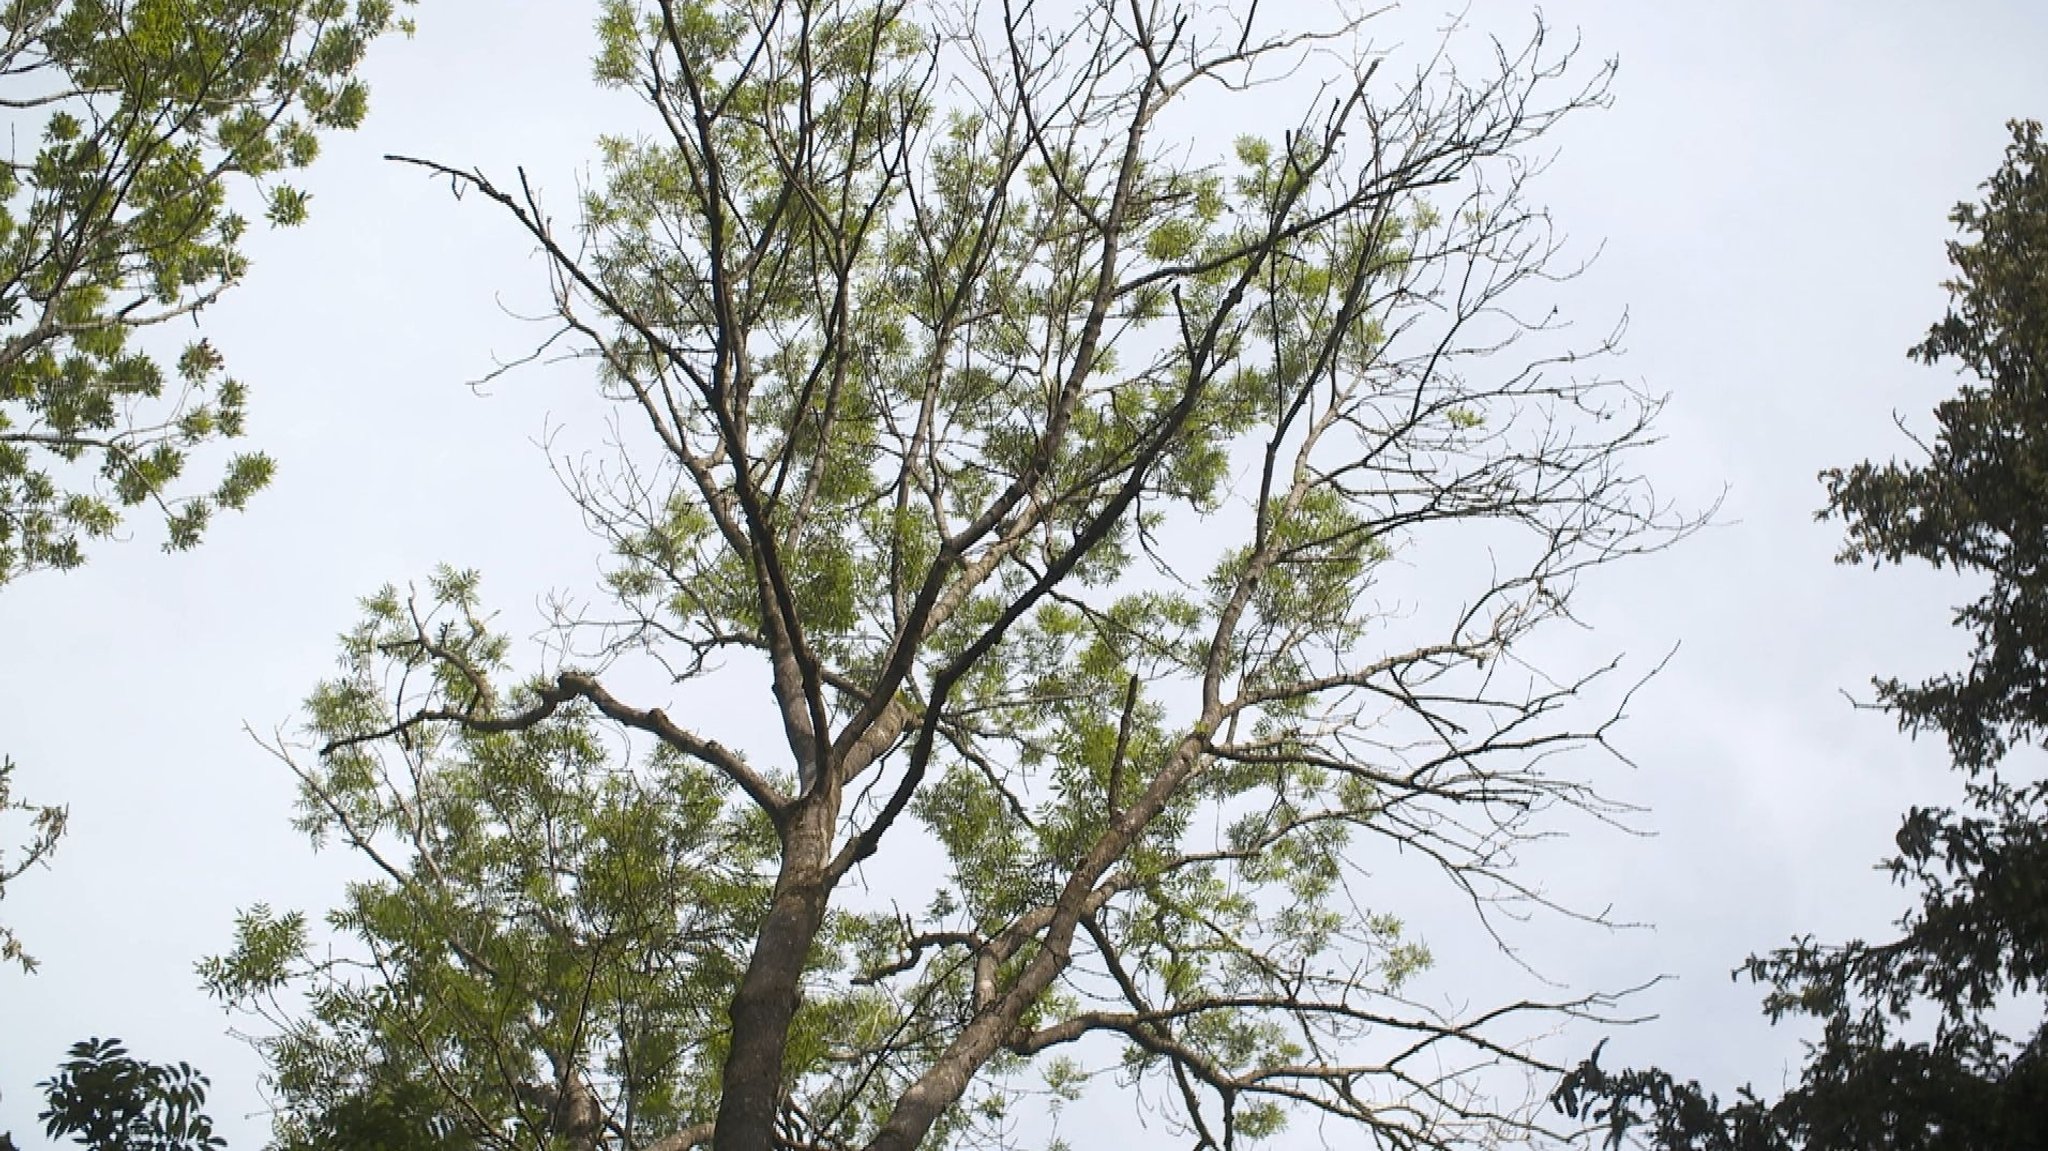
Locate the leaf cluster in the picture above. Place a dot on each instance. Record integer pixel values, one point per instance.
(550, 932)
(121, 219)
(107, 1100)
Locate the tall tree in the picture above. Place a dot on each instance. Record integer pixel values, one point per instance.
(1937, 1039)
(1058, 488)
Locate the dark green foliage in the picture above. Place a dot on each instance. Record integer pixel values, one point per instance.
(1918, 1049)
(104, 1099)
(1979, 502)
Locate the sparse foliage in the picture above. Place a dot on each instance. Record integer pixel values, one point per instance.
(46, 826)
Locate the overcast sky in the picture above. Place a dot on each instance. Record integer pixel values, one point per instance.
(1769, 194)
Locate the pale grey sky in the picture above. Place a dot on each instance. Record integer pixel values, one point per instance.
(1771, 188)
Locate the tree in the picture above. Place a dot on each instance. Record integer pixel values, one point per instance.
(1972, 957)
(148, 116)
(107, 1100)
(120, 222)
(1055, 489)
(152, 114)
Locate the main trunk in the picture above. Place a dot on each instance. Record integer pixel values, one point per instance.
(766, 1001)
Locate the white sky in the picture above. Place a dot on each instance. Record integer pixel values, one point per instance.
(1771, 188)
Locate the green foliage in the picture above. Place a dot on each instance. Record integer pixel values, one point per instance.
(565, 924)
(122, 218)
(1917, 1048)
(138, 122)
(106, 1100)
(1976, 503)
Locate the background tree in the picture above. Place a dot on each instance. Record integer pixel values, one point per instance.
(152, 112)
(1061, 492)
(1937, 1039)
(107, 1100)
(148, 116)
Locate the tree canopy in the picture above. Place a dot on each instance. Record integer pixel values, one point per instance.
(108, 1100)
(1053, 482)
(1919, 1047)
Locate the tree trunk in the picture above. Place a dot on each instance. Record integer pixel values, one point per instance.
(766, 1002)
